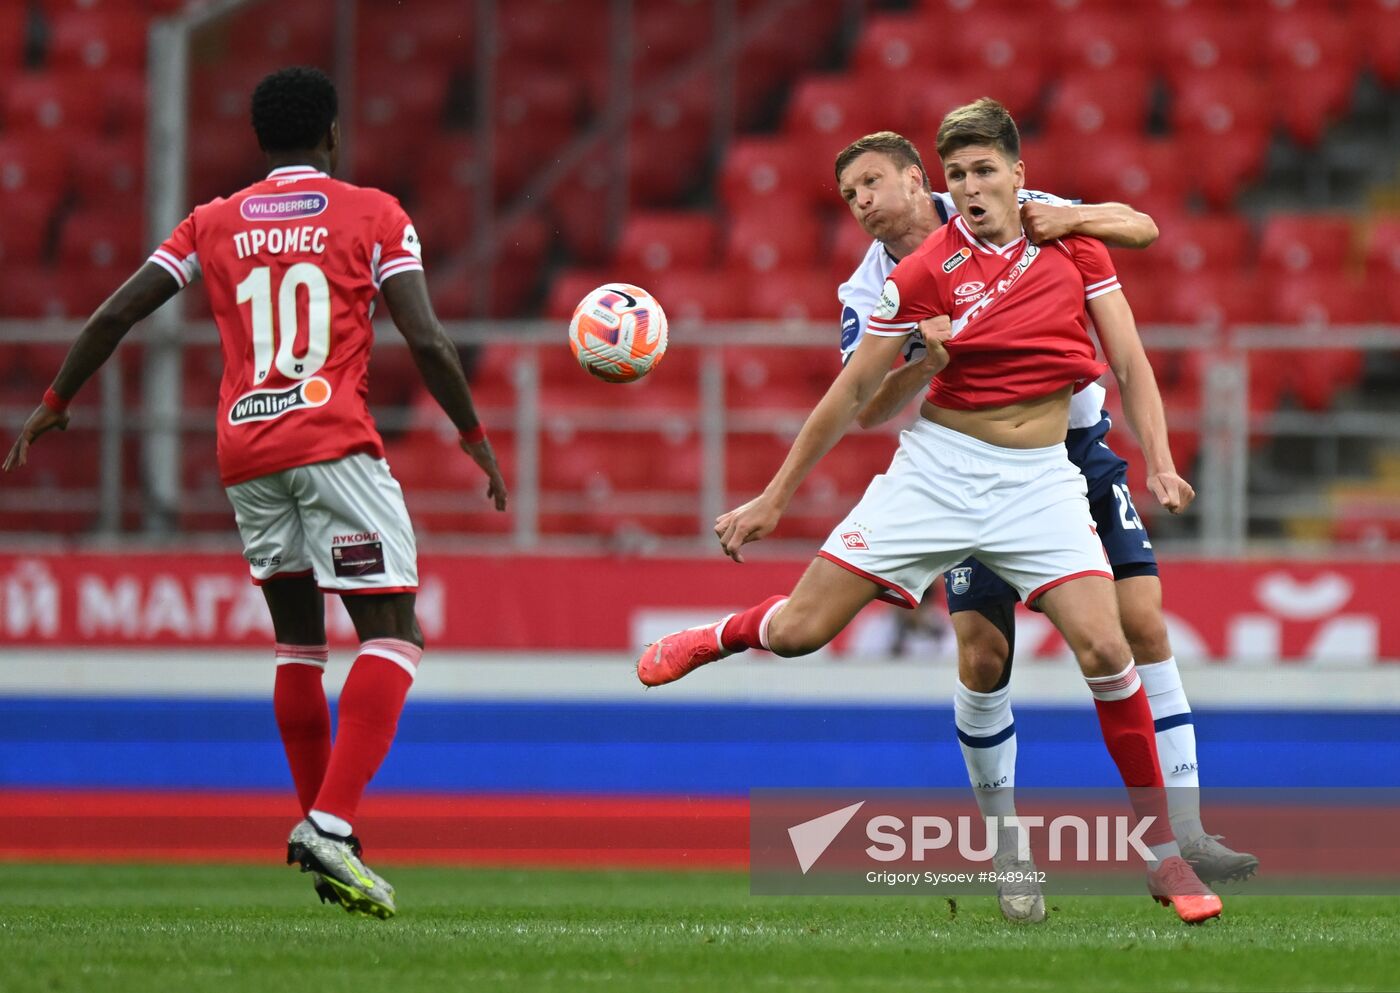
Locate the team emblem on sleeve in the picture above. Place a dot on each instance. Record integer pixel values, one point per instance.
(888, 306)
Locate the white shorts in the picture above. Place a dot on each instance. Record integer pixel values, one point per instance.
(1023, 512)
(343, 521)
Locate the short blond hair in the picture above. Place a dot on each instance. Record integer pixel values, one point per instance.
(982, 122)
(899, 148)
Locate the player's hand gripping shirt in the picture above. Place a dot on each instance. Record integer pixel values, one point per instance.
(292, 265)
(861, 292)
(1020, 328)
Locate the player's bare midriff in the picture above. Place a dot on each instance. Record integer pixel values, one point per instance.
(1036, 423)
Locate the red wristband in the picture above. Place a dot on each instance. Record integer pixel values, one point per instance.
(473, 437)
(54, 402)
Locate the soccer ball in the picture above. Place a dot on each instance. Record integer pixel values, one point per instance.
(618, 332)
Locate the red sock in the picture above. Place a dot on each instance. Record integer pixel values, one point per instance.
(304, 720)
(1126, 721)
(369, 709)
(749, 628)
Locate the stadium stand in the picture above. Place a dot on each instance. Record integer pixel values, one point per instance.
(1181, 117)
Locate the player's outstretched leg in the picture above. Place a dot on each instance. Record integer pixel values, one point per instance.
(669, 658)
(824, 601)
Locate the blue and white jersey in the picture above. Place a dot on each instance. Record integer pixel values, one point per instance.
(860, 293)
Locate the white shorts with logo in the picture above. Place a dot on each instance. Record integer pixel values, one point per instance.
(1023, 512)
(343, 521)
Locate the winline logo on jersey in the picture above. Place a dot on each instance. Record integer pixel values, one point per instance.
(267, 405)
(937, 842)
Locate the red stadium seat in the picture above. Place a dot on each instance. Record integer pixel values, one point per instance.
(569, 286)
(1318, 301)
(1206, 38)
(1312, 64)
(1383, 250)
(773, 378)
(1314, 298)
(1228, 111)
(403, 97)
(894, 44)
(774, 168)
(925, 97)
(1378, 24)
(102, 238)
(574, 204)
(1013, 48)
(283, 34)
(438, 33)
(553, 32)
(657, 240)
(97, 40)
(14, 30)
(667, 32)
(24, 237)
(1306, 243)
(1202, 244)
(668, 143)
(1148, 173)
(108, 171)
(31, 291)
(1105, 40)
(849, 243)
(773, 235)
(838, 108)
(34, 167)
(701, 294)
(53, 103)
(1086, 104)
(797, 294)
(1213, 298)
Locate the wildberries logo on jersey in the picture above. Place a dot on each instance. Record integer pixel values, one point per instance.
(267, 405)
(283, 206)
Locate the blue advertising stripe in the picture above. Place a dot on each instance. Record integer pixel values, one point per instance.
(720, 750)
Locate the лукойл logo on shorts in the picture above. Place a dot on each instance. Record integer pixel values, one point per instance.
(267, 405)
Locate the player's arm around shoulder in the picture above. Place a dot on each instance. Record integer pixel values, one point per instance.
(1115, 224)
(406, 296)
(1142, 401)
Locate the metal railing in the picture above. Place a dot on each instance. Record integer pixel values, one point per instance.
(723, 418)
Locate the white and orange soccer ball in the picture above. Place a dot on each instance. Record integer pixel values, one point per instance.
(618, 332)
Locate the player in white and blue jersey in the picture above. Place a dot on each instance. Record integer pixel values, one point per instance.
(883, 181)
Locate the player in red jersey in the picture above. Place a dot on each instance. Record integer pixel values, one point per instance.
(292, 265)
(984, 471)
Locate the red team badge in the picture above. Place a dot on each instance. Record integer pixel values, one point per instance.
(853, 540)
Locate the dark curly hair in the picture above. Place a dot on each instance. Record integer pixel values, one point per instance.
(293, 109)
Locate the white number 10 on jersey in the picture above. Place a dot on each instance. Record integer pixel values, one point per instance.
(257, 290)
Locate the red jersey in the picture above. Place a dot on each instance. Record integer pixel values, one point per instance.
(1020, 328)
(292, 265)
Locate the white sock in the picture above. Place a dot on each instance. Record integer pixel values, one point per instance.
(330, 823)
(1176, 746)
(987, 736)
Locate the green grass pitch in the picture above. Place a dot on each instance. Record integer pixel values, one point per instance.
(222, 928)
